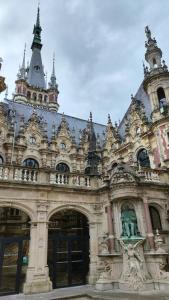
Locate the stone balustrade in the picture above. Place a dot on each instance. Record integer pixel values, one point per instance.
(70, 179)
(41, 176)
(148, 175)
(153, 175)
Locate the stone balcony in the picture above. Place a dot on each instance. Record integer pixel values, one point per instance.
(47, 177)
(153, 175)
(50, 177)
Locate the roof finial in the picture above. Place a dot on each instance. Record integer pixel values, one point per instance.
(109, 119)
(52, 83)
(53, 69)
(148, 33)
(23, 62)
(37, 32)
(90, 118)
(38, 16)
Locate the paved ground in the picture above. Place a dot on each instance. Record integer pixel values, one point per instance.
(80, 293)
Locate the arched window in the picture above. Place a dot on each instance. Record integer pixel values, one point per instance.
(161, 96)
(143, 158)
(155, 218)
(31, 163)
(40, 97)
(45, 98)
(34, 96)
(138, 130)
(154, 63)
(28, 94)
(114, 165)
(62, 146)
(62, 168)
(1, 160)
(32, 140)
(19, 89)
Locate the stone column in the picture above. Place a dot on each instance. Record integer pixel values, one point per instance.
(148, 224)
(110, 227)
(93, 232)
(37, 277)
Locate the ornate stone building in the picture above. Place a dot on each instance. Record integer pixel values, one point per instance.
(82, 202)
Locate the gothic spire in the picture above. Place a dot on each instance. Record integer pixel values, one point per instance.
(153, 54)
(52, 83)
(36, 76)
(23, 68)
(91, 135)
(37, 32)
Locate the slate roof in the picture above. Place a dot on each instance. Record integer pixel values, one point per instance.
(36, 74)
(144, 98)
(51, 117)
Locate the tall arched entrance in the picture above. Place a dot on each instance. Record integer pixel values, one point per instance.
(14, 247)
(68, 248)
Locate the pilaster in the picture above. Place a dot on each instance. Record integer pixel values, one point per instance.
(37, 278)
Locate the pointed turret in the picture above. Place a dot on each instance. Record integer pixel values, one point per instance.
(37, 33)
(92, 157)
(31, 83)
(36, 76)
(52, 83)
(91, 135)
(22, 70)
(157, 71)
(153, 54)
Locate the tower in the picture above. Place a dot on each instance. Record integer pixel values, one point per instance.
(156, 85)
(156, 78)
(31, 87)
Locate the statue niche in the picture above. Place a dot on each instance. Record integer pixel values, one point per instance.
(129, 222)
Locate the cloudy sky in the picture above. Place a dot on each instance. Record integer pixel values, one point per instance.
(98, 45)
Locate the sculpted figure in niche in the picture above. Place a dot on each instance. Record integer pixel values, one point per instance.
(129, 222)
(103, 244)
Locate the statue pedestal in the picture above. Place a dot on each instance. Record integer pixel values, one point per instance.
(132, 239)
(146, 286)
(104, 285)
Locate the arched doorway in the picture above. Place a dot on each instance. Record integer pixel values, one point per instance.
(68, 248)
(14, 247)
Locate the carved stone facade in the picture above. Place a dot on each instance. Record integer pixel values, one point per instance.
(52, 163)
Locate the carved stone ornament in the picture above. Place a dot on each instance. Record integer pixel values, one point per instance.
(133, 273)
(159, 244)
(2, 84)
(103, 245)
(123, 173)
(106, 273)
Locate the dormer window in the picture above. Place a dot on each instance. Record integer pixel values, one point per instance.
(32, 140)
(62, 146)
(36, 68)
(138, 131)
